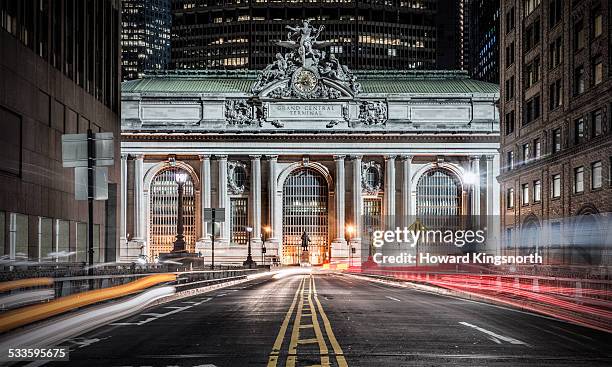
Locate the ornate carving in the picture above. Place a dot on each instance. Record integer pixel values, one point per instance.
(240, 112)
(371, 177)
(306, 71)
(373, 112)
(237, 177)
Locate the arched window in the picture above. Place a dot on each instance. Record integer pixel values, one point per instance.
(438, 201)
(164, 212)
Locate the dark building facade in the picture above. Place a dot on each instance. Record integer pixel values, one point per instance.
(59, 74)
(556, 144)
(482, 39)
(145, 36)
(395, 34)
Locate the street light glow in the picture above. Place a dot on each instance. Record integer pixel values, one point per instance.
(181, 178)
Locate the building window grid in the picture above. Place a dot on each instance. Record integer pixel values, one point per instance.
(555, 184)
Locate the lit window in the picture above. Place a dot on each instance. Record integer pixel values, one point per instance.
(598, 25)
(555, 184)
(597, 72)
(525, 194)
(537, 148)
(578, 179)
(537, 191)
(596, 178)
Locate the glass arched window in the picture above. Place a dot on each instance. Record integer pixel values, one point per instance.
(438, 199)
(164, 212)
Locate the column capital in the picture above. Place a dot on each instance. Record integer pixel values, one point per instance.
(390, 156)
(272, 157)
(204, 156)
(138, 156)
(339, 157)
(406, 157)
(356, 157)
(124, 156)
(489, 157)
(220, 156)
(255, 156)
(474, 157)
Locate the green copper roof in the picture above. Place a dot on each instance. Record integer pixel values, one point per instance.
(240, 81)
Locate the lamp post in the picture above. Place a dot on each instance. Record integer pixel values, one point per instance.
(179, 243)
(264, 236)
(249, 260)
(350, 230)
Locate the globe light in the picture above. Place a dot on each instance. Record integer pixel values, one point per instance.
(181, 178)
(249, 229)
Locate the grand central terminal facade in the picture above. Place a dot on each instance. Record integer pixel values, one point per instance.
(304, 145)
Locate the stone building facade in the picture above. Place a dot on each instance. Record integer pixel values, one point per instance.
(304, 145)
(556, 146)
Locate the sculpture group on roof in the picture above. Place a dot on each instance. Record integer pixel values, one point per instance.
(306, 53)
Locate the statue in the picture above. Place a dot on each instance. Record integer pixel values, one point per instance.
(305, 241)
(304, 39)
(300, 71)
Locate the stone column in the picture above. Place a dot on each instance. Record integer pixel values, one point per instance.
(339, 248)
(339, 196)
(123, 194)
(406, 188)
(223, 198)
(389, 209)
(357, 199)
(139, 205)
(255, 198)
(205, 194)
(272, 220)
(475, 168)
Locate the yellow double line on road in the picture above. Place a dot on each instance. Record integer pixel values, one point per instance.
(306, 308)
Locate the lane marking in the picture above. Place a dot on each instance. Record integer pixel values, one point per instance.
(328, 330)
(323, 351)
(273, 359)
(394, 299)
(295, 333)
(494, 335)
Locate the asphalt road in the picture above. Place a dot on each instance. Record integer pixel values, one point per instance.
(336, 320)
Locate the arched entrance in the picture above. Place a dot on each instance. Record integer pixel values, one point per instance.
(305, 208)
(164, 211)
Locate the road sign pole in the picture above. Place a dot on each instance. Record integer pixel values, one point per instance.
(91, 157)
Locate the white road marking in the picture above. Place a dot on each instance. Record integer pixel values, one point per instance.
(155, 316)
(394, 299)
(494, 335)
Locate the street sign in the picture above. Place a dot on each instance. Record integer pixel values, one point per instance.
(100, 183)
(217, 213)
(74, 150)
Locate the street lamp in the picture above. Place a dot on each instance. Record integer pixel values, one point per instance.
(350, 230)
(179, 243)
(249, 260)
(264, 236)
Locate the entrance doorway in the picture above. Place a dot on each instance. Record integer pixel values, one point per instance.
(305, 208)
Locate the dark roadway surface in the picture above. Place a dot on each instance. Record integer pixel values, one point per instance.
(374, 324)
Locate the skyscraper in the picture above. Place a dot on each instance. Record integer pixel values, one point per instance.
(382, 35)
(482, 39)
(145, 36)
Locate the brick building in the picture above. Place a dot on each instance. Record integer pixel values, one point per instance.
(556, 135)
